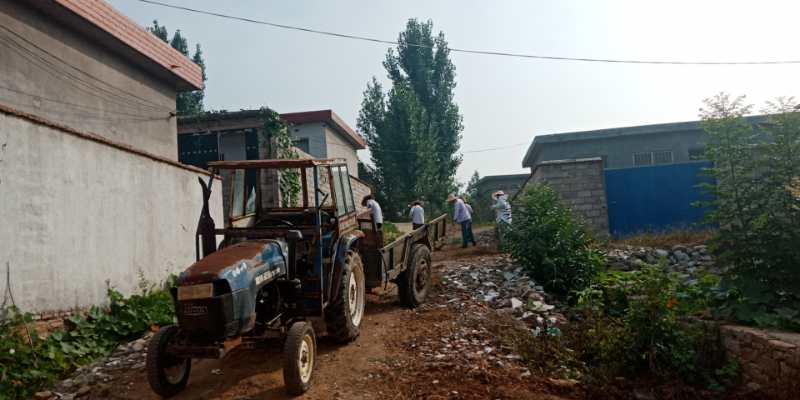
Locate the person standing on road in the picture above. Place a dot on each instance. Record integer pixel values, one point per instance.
(462, 216)
(417, 215)
(374, 210)
(502, 210)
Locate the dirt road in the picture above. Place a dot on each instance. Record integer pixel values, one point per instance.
(390, 360)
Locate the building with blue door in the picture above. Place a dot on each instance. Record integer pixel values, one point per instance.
(651, 173)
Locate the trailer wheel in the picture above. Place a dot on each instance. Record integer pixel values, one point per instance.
(299, 356)
(415, 282)
(344, 314)
(166, 373)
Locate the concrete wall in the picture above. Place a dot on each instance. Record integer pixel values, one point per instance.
(360, 189)
(77, 213)
(315, 134)
(618, 151)
(338, 147)
(52, 72)
(581, 184)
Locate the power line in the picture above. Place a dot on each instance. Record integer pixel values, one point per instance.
(121, 96)
(460, 50)
(82, 107)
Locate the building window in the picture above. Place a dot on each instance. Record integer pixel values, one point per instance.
(697, 153)
(662, 157)
(302, 144)
(640, 159)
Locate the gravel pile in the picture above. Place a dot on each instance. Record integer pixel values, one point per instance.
(689, 261)
(504, 287)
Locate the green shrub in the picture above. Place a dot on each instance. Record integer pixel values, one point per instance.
(554, 248)
(757, 208)
(639, 323)
(390, 232)
(29, 362)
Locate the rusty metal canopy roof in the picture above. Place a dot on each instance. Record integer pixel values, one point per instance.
(276, 163)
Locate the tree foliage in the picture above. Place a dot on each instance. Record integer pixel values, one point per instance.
(414, 129)
(758, 214)
(186, 103)
(554, 248)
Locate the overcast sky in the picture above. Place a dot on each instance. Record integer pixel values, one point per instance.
(504, 101)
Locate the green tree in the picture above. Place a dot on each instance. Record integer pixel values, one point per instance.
(186, 103)
(414, 129)
(472, 185)
(757, 213)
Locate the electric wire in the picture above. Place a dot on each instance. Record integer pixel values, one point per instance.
(78, 106)
(464, 50)
(122, 97)
(89, 92)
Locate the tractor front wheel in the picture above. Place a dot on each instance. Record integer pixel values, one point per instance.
(166, 373)
(299, 356)
(344, 314)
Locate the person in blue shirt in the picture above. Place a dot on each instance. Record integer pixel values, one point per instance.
(462, 216)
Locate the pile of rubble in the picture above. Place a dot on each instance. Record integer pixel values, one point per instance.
(98, 378)
(504, 286)
(689, 261)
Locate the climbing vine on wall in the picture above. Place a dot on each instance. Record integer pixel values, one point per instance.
(281, 146)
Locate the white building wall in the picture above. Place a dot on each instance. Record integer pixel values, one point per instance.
(58, 74)
(77, 213)
(338, 147)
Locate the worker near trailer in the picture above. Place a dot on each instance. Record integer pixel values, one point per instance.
(462, 216)
(417, 214)
(502, 210)
(374, 210)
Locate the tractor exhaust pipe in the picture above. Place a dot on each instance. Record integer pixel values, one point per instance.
(205, 225)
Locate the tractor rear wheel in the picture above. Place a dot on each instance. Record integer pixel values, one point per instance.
(345, 312)
(166, 373)
(299, 356)
(415, 282)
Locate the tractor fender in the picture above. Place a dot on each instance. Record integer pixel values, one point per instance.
(346, 242)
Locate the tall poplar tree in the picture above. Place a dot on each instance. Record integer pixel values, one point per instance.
(414, 129)
(186, 103)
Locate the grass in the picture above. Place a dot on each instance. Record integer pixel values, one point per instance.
(666, 239)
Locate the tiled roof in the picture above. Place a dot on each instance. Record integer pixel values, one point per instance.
(103, 16)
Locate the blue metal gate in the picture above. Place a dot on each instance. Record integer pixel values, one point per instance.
(655, 198)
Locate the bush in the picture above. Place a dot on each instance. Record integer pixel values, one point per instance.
(390, 232)
(756, 207)
(640, 323)
(556, 250)
(29, 362)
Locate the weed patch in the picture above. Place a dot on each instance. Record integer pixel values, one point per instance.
(29, 361)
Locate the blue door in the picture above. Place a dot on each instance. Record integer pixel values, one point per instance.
(655, 198)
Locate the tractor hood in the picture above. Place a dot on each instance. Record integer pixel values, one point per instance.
(238, 264)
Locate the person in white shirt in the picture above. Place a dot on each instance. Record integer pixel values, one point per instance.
(417, 215)
(502, 209)
(463, 216)
(374, 209)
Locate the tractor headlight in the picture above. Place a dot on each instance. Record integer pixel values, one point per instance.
(192, 292)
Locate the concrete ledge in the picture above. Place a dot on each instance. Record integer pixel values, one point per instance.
(97, 138)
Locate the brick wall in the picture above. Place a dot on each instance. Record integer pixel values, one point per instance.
(581, 183)
(360, 189)
(769, 361)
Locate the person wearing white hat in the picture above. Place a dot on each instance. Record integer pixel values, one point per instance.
(463, 216)
(502, 210)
